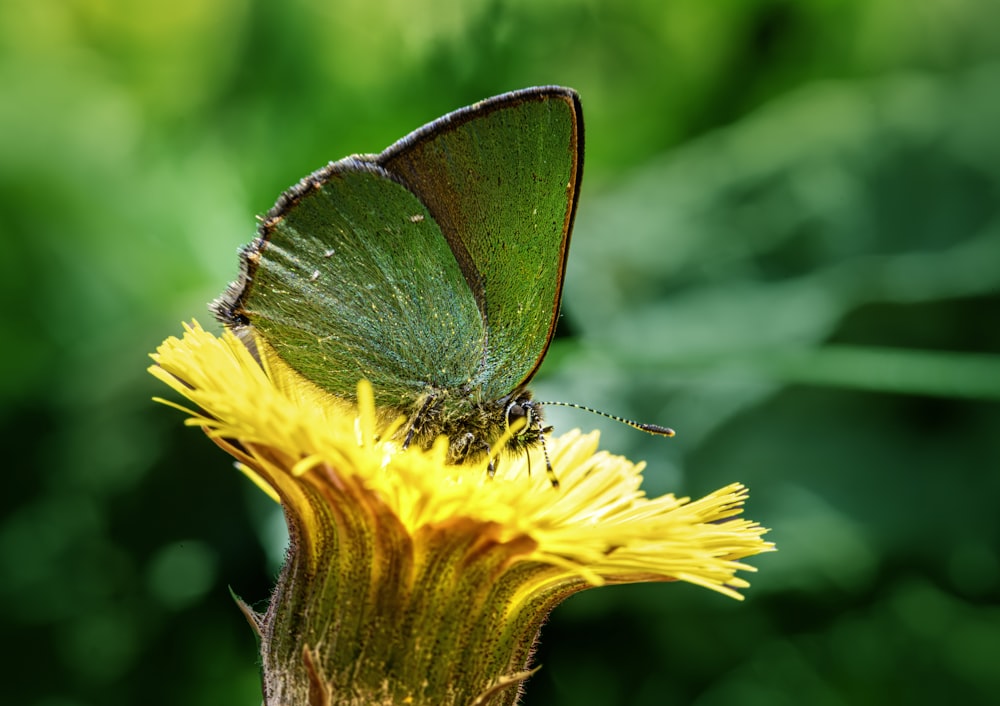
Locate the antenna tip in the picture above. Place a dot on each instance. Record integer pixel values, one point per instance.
(657, 429)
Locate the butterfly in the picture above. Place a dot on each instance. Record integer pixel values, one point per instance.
(433, 269)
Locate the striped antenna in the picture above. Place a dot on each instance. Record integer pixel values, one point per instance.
(654, 429)
(545, 452)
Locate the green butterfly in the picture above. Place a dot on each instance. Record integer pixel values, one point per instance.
(433, 269)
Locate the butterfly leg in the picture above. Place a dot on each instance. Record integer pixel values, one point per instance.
(415, 423)
(542, 431)
(464, 449)
(494, 463)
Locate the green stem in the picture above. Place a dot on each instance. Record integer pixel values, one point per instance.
(365, 613)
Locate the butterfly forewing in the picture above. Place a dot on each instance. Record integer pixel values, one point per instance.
(501, 179)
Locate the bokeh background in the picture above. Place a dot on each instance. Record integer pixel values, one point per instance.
(787, 247)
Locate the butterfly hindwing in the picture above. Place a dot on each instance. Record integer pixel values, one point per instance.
(353, 279)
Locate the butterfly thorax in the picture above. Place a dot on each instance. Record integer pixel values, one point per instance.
(473, 427)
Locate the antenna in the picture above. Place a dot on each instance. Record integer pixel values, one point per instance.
(545, 452)
(654, 429)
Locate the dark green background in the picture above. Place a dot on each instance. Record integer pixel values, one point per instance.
(787, 247)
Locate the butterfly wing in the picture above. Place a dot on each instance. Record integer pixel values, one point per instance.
(351, 278)
(501, 179)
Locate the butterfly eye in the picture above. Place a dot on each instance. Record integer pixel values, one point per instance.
(520, 409)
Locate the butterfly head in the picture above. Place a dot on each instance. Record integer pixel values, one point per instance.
(523, 418)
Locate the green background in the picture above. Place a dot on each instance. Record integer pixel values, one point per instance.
(787, 248)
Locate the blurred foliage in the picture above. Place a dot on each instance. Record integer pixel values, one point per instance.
(788, 247)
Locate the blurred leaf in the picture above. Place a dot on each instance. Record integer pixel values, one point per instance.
(787, 248)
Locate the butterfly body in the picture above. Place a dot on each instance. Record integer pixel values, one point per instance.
(472, 426)
(433, 270)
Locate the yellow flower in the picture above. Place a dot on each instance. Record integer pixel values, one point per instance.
(411, 581)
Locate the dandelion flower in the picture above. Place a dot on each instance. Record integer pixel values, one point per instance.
(412, 581)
